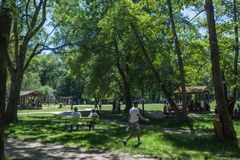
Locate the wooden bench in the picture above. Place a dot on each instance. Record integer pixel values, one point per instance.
(80, 122)
(69, 122)
(170, 113)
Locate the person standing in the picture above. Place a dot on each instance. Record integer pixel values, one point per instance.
(134, 116)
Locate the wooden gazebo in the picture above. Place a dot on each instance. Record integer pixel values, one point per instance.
(28, 99)
(201, 97)
(194, 90)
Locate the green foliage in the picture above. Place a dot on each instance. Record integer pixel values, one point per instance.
(95, 27)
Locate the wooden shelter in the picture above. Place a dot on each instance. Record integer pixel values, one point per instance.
(194, 90)
(28, 99)
(198, 97)
(30, 94)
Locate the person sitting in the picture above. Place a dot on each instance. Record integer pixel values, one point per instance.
(93, 114)
(235, 113)
(230, 105)
(165, 111)
(191, 106)
(207, 107)
(75, 114)
(39, 105)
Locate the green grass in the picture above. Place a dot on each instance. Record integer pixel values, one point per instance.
(109, 136)
(67, 108)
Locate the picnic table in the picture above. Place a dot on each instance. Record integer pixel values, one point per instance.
(70, 123)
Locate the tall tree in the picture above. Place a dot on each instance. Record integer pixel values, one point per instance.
(236, 48)
(179, 56)
(26, 26)
(166, 93)
(5, 23)
(125, 79)
(227, 124)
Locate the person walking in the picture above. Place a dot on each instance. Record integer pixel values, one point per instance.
(134, 116)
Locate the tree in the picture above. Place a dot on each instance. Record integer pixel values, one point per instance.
(125, 78)
(227, 124)
(96, 56)
(50, 69)
(179, 57)
(236, 48)
(25, 47)
(5, 23)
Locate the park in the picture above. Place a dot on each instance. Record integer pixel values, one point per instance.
(119, 79)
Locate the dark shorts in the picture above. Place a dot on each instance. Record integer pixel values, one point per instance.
(134, 128)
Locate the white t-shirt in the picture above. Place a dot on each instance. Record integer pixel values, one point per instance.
(133, 114)
(76, 114)
(93, 114)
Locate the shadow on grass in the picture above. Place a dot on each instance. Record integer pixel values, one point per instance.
(34, 150)
(203, 144)
(39, 128)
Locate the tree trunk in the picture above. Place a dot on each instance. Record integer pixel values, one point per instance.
(227, 124)
(225, 90)
(142, 100)
(236, 47)
(5, 23)
(20, 58)
(126, 85)
(114, 106)
(14, 97)
(180, 115)
(179, 56)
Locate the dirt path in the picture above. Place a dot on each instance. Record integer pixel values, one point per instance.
(39, 151)
(51, 112)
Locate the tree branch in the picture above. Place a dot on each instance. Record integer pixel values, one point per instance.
(33, 28)
(35, 15)
(35, 3)
(197, 15)
(43, 18)
(26, 11)
(11, 69)
(35, 52)
(54, 28)
(16, 41)
(44, 48)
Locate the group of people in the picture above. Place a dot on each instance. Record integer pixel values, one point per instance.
(199, 106)
(33, 105)
(77, 114)
(192, 106)
(133, 125)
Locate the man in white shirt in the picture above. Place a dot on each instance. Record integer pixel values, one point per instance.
(134, 116)
(75, 114)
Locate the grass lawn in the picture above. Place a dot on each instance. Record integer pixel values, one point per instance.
(161, 138)
(108, 107)
(54, 108)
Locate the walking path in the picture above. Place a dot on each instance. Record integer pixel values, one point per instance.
(39, 151)
(52, 112)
